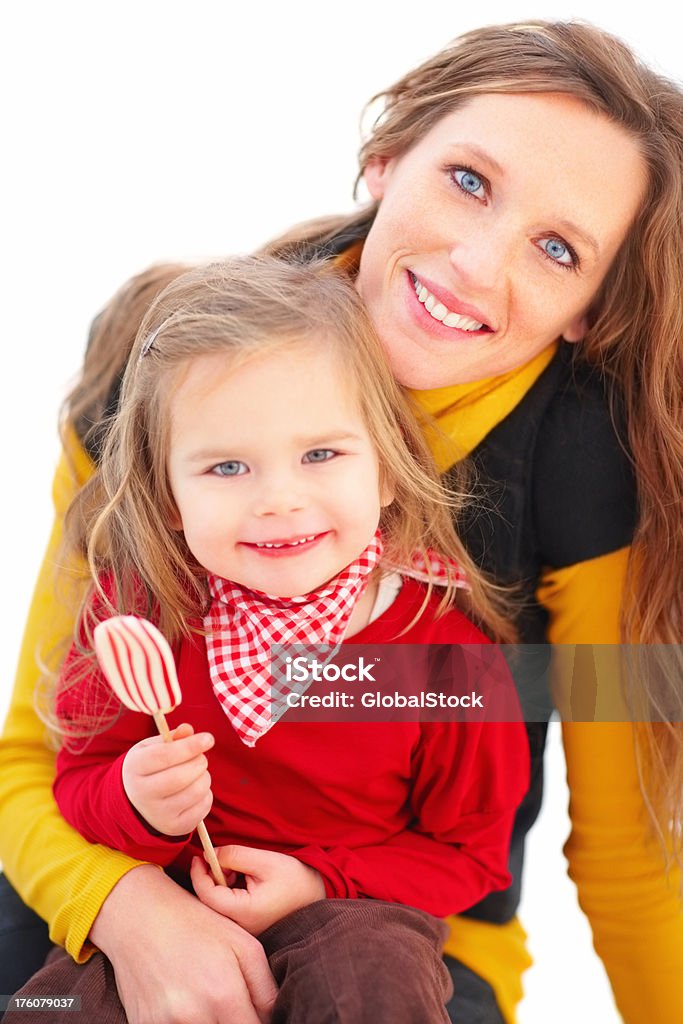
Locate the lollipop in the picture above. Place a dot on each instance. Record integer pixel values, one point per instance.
(138, 663)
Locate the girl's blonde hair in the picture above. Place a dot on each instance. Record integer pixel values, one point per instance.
(243, 308)
(636, 321)
(94, 396)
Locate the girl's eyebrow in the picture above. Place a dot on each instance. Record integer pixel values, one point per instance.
(237, 447)
(206, 455)
(332, 437)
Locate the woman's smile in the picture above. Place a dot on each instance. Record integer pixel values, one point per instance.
(447, 310)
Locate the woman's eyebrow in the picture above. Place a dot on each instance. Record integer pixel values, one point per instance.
(483, 156)
(573, 229)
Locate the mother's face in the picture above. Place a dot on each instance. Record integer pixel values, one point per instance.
(494, 233)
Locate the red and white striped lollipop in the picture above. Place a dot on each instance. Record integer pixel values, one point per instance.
(138, 663)
(140, 668)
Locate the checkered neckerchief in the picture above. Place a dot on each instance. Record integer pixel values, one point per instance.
(429, 567)
(243, 625)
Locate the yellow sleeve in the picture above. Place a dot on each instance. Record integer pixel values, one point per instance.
(614, 858)
(55, 871)
(496, 952)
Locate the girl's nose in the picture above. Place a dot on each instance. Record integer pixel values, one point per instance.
(278, 496)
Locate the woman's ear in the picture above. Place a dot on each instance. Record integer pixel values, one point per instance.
(375, 176)
(576, 330)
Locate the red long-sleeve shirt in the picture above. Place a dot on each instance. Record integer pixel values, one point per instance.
(414, 812)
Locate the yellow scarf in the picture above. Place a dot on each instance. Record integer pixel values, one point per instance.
(460, 416)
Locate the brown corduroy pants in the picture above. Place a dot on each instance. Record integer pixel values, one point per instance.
(335, 962)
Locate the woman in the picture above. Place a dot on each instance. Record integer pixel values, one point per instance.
(527, 187)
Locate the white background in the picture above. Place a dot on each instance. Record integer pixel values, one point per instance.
(134, 132)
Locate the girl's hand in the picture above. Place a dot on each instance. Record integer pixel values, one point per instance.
(276, 885)
(169, 783)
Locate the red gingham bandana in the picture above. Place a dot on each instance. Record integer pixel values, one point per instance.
(430, 567)
(242, 625)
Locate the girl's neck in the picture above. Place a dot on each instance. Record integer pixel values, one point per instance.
(362, 611)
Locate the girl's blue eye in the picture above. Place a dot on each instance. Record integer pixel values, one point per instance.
(558, 251)
(319, 455)
(469, 182)
(232, 468)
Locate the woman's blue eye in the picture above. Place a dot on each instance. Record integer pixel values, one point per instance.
(319, 455)
(232, 468)
(469, 182)
(557, 251)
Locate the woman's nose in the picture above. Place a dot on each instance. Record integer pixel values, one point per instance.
(483, 256)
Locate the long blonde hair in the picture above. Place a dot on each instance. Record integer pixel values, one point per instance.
(242, 308)
(636, 321)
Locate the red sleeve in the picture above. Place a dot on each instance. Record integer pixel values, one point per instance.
(468, 782)
(88, 786)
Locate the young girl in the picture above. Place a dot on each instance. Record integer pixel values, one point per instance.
(263, 471)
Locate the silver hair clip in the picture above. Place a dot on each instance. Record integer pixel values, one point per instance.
(149, 341)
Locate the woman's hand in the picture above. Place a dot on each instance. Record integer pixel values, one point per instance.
(178, 962)
(169, 783)
(276, 885)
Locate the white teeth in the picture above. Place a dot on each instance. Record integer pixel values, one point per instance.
(464, 323)
(441, 312)
(290, 544)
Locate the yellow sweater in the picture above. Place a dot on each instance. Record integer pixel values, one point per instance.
(615, 862)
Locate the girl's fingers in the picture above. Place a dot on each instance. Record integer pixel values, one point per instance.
(176, 781)
(190, 804)
(194, 803)
(205, 887)
(201, 874)
(182, 731)
(247, 859)
(154, 755)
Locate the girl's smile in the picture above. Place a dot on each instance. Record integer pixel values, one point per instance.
(494, 233)
(285, 548)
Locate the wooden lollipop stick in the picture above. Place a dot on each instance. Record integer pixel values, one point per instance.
(216, 870)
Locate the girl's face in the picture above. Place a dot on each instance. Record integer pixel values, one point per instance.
(273, 472)
(494, 233)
